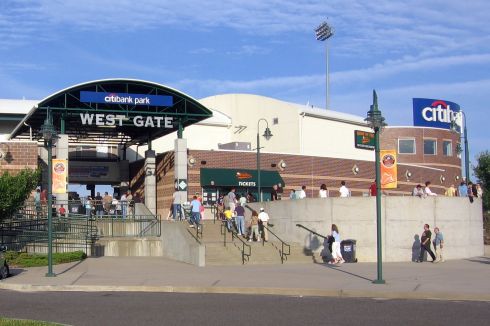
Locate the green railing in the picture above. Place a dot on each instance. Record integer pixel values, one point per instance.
(32, 234)
(246, 249)
(282, 252)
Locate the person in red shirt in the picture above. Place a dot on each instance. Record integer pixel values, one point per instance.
(62, 211)
(372, 189)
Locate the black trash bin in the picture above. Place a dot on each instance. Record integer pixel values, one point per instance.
(348, 250)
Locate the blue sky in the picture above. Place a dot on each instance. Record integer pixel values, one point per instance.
(403, 49)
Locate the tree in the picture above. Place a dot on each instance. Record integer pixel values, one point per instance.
(482, 172)
(15, 189)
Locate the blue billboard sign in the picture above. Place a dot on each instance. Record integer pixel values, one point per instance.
(435, 113)
(125, 98)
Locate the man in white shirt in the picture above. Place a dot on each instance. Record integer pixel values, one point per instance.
(264, 218)
(344, 191)
(427, 190)
(302, 193)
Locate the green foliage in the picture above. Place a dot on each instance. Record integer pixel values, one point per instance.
(482, 172)
(35, 260)
(15, 189)
(24, 322)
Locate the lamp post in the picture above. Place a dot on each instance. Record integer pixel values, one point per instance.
(49, 135)
(466, 149)
(376, 121)
(323, 33)
(267, 135)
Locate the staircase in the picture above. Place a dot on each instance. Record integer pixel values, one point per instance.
(218, 254)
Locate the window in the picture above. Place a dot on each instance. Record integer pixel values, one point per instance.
(447, 148)
(406, 146)
(430, 146)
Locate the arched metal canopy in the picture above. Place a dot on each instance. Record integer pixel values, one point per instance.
(114, 111)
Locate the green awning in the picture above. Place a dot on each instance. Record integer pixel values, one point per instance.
(239, 178)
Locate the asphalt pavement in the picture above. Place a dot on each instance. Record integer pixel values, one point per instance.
(452, 280)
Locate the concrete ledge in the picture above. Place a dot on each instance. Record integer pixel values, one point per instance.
(179, 245)
(446, 296)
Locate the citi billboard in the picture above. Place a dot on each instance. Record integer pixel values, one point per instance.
(435, 113)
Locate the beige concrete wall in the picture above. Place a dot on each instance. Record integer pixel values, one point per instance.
(133, 247)
(402, 220)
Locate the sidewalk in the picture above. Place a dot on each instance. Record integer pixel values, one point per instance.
(452, 280)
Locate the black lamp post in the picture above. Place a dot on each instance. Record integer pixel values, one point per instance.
(376, 121)
(49, 135)
(267, 135)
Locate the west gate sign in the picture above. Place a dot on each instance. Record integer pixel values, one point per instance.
(101, 119)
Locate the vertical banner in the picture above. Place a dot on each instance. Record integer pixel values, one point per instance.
(389, 171)
(60, 176)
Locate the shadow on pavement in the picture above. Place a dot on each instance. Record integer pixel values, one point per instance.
(70, 268)
(481, 260)
(16, 271)
(336, 268)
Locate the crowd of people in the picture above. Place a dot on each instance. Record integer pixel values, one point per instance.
(470, 190)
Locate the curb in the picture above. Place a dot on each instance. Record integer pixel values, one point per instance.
(444, 296)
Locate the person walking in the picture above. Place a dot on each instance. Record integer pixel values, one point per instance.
(124, 205)
(427, 190)
(425, 244)
(240, 219)
(450, 192)
(129, 198)
(323, 192)
(343, 190)
(99, 208)
(463, 189)
(176, 206)
(372, 189)
(264, 219)
(438, 245)
(302, 193)
(232, 199)
(195, 212)
(254, 227)
(336, 254)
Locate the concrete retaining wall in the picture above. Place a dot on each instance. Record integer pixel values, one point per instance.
(178, 244)
(402, 223)
(134, 247)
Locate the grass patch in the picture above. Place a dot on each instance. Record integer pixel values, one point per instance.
(35, 260)
(24, 322)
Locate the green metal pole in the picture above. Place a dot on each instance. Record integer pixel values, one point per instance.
(50, 212)
(180, 131)
(62, 124)
(379, 279)
(258, 167)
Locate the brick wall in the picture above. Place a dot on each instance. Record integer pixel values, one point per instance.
(18, 156)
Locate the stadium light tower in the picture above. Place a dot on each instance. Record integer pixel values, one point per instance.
(323, 33)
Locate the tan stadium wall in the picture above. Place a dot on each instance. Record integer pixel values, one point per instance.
(402, 219)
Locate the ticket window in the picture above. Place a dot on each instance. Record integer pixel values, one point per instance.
(209, 196)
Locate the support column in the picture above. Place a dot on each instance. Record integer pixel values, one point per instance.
(62, 153)
(150, 181)
(180, 168)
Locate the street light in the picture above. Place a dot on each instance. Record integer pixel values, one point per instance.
(267, 135)
(49, 135)
(376, 121)
(323, 33)
(466, 149)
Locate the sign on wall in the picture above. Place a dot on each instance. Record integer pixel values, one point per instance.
(364, 139)
(60, 176)
(389, 179)
(125, 98)
(435, 113)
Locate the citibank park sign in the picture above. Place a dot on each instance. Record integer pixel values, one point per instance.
(435, 113)
(101, 119)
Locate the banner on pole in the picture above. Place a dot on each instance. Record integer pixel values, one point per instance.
(60, 176)
(389, 169)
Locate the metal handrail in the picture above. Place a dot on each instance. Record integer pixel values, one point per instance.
(284, 255)
(310, 230)
(234, 235)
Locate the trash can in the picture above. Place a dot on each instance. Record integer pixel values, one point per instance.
(348, 250)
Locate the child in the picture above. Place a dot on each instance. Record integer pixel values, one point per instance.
(228, 217)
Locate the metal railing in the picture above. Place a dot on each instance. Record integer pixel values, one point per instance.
(31, 235)
(284, 255)
(246, 249)
(134, 226)
(311, 231)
